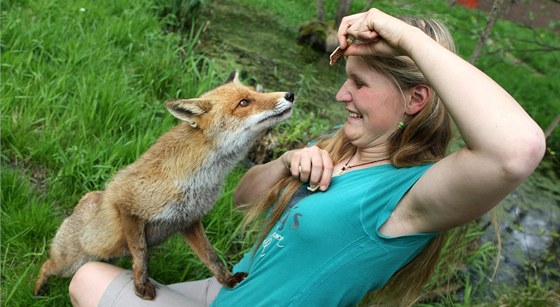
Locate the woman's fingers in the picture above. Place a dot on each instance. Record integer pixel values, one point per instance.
(327, 171)
(313, 165)
(374, 32)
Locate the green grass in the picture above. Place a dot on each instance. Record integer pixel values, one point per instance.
(83, 86)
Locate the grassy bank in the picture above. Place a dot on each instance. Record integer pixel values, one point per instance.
(83, 86)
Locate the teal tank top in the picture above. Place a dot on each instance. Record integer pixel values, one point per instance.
(327, 250)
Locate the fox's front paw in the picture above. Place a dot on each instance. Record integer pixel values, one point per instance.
(235, 279)
(146, 291)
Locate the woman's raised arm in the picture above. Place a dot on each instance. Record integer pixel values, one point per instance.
(503, 144)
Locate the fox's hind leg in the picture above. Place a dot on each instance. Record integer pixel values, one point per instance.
(197, 239)
(66, 254)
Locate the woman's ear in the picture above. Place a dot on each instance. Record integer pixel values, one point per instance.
(419, 96)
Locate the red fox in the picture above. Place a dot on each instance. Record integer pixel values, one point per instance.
(169, 188)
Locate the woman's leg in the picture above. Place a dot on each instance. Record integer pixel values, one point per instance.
(98, 283)
(204, 291)
(90, 282)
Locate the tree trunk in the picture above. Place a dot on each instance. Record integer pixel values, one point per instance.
(342, 11)
(321, 11)
(497, 8)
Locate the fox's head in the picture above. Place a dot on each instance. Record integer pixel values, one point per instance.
(233, 110)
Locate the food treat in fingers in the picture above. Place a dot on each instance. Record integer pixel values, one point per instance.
(337, 53)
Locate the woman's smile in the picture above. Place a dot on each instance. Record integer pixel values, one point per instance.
(354, 115)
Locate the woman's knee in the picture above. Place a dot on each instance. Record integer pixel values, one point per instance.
(90, 282)
(81, 275)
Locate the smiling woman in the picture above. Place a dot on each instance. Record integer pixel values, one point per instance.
(397, 108)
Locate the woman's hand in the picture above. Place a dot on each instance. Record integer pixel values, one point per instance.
(310, 164)
(375, 32)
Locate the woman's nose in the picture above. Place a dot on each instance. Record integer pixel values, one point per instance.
(343, 94)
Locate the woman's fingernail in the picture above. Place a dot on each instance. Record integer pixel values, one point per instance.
(313, 189)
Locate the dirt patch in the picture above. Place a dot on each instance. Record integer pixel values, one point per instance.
(267, 51)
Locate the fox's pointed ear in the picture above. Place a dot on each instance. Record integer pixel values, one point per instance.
(234, 77)
(188, 110)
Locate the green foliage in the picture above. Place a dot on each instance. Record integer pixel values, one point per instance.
(25, 221)
(178, 15)
(292, 12)
(533, 291)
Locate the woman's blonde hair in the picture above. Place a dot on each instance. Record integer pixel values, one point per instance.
(424, 138)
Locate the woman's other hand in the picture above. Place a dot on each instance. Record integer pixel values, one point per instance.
(310, 164)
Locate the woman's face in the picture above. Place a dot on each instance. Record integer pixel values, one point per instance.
(375, 105)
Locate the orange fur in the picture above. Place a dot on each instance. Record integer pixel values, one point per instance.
(169, 188)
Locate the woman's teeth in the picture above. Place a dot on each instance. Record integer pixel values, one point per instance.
(355, 115)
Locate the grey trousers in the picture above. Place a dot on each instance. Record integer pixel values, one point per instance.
(120, 292)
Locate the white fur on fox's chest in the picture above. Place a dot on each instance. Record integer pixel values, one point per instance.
(202, 188)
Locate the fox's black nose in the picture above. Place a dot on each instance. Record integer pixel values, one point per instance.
(289, 96)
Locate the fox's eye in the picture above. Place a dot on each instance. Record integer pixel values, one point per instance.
(244, 103)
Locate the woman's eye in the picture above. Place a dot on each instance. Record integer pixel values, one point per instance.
(359, 84)
(244, 103)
